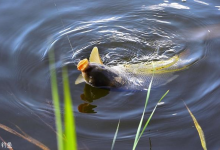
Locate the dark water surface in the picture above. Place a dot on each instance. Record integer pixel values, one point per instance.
(124, 31)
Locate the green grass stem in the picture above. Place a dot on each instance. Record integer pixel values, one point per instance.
(139, 132)
(70, 129)
(142, 117)
(70, 142)
(146, 124)
(115, 136)
(56, 101)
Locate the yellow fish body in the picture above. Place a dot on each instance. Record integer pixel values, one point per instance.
(156, 67)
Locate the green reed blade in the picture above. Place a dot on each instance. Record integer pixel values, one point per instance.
(56, 101)
(115, 136)
(70, 129)
(147, 98)
(146, 124)
(199, 129)
(140, 124)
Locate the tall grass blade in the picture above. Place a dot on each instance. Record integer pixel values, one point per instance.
(115, 136)
(70, 129)
(146, 124)
(147, 98)
(199, 129)
(56, 100)
(140, 124)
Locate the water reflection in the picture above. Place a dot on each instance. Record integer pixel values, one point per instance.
(86, 108)
(89, 95)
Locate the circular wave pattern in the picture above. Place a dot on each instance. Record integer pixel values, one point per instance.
(143, 39)
(136, 37)
(141, 35)
(132, 33)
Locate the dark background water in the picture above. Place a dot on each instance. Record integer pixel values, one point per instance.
(124, 31)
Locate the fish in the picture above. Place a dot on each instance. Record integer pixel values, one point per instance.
(129, 76)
